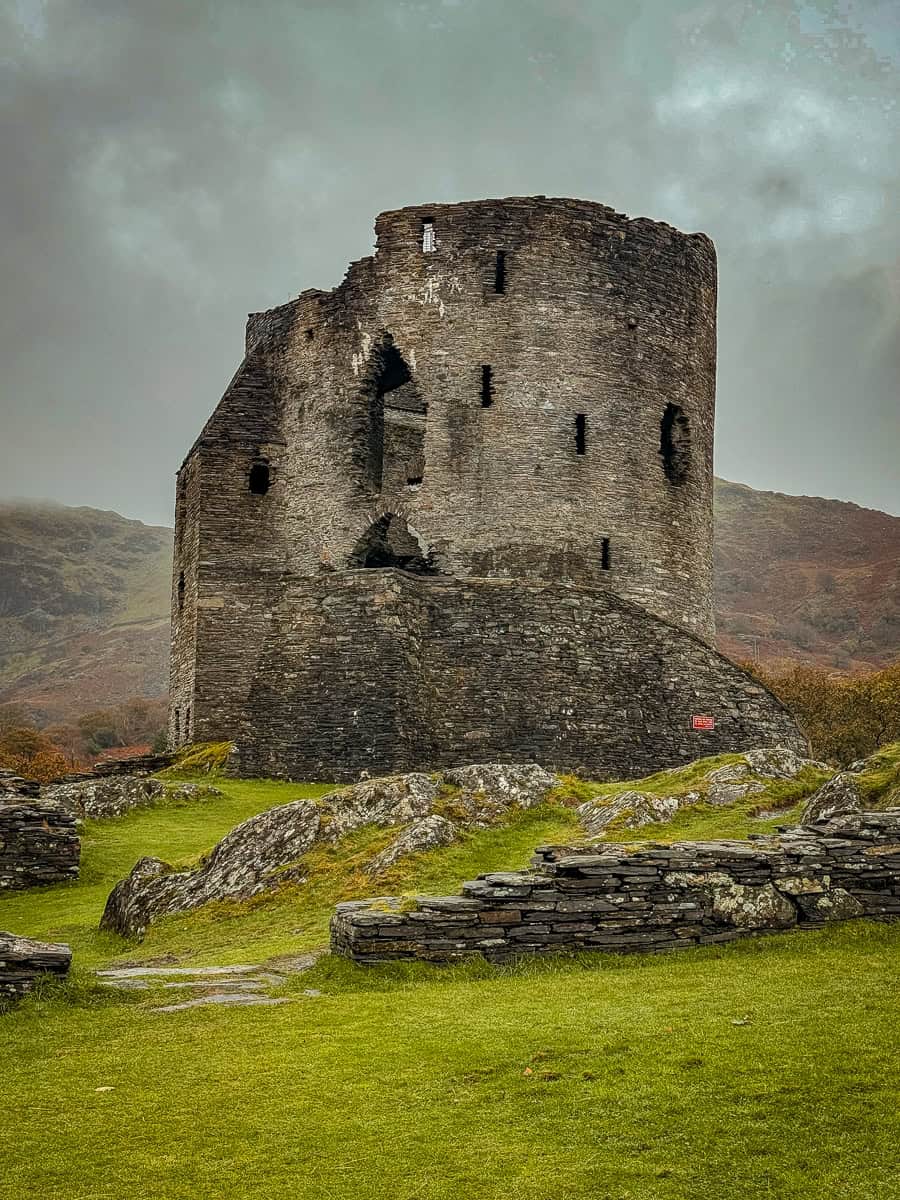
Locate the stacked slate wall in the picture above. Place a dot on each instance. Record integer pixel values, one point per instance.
(38, 844)
(384, 671)
(644, 897)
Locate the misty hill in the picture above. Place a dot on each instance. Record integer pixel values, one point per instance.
(84, 595)
(806, 579)
(84, 608)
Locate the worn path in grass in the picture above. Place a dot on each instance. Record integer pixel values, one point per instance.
(763, 1069)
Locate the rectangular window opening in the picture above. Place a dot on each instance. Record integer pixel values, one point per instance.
(487, 387)
(604, 554)
(580, 433)
(500, 272)
(429, 244)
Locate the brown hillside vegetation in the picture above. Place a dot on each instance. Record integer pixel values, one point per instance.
(806, 580)
(84, 595)
(84, 608)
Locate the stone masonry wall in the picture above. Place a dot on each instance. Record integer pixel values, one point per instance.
(600, 317)
(384, 671)
(38, 844)
(644, 897)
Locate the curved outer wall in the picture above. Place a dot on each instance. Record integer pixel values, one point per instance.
(449, 671)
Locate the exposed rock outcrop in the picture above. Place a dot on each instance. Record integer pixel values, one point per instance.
(430, 811)
(107, 797)
(256, 855)
(23, 961)
(723, 785)
(839, 795)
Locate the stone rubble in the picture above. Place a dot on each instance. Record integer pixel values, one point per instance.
(23, 961)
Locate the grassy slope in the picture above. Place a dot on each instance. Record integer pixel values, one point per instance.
(600, 1077)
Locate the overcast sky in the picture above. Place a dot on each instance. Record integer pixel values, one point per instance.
(170, 165)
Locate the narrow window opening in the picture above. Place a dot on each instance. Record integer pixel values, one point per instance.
(429, 244)
(259, 479)
(310, 334)
(500, 272)
(177, 724)
(187, 723)
(580, 433)
(180, 591)
(487, 387)
(675, 443)
(604, 554)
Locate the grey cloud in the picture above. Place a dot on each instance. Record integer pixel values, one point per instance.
(168, 167)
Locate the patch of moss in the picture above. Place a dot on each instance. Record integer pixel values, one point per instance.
(204, 758)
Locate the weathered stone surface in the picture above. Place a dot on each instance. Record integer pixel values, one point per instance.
(253, 857)
(263, 852)
(426, 834)
(487, 790)
(13, 787)
(747, 907)
(106, 797)
(38, 844)
(646, 897)
(400, 538)
(633, 809)
(839, 795)
(394, 800)
(780, 762)
(23, 961)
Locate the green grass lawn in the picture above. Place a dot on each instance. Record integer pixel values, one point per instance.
(763, 1070)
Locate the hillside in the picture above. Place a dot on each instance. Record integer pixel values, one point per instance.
(806, 580)
(84, 602)
(84, 595)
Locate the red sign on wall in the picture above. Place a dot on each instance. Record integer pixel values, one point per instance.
(703, 722)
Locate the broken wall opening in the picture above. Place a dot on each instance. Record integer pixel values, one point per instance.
(675, 443)
(397, 416)
(389, 542)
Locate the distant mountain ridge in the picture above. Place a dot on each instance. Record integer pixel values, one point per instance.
(84, 594)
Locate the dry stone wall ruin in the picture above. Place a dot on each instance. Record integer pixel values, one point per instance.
(462, 504)
(643, 897)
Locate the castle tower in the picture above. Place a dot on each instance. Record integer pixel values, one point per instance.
(467, 468)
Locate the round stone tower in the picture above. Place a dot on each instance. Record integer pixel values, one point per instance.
(520, 387)
(460, 508)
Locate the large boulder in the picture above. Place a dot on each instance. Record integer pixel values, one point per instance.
(107, 797)
(253, 857)
(631, 809)
(23, 962)
(394, 800)
(839, 795)
(780, 762)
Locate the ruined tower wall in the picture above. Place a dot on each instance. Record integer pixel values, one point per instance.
(512, 427)
(383, 671)
(600, 316)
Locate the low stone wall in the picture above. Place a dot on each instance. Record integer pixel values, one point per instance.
(643, 896)
(38, 844)
(23, 961)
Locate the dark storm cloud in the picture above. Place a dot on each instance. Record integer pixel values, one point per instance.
(167, 166)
